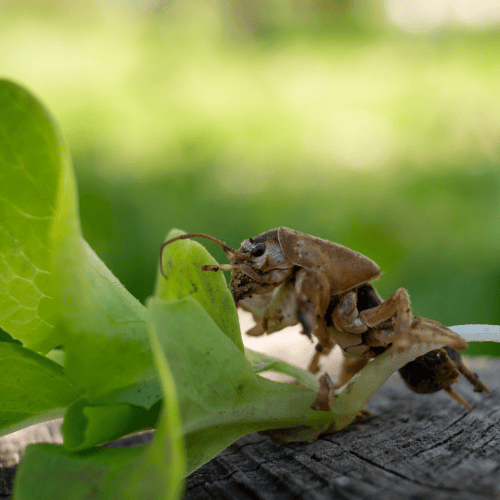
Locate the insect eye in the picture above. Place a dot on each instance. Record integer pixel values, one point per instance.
(258, 250)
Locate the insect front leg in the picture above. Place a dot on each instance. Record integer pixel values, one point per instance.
(257, 305)
(273, 311)
(312, 300)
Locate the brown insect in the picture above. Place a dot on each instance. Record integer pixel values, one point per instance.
(285, 277)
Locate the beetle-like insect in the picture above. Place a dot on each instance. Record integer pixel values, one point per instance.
(285, 277)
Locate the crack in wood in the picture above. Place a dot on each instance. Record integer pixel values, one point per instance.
(402, 476)
(456, 421)
(440, 443)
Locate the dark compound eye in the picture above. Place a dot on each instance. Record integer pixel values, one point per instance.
(259, 250)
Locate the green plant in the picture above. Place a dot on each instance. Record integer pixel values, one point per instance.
(92, 353)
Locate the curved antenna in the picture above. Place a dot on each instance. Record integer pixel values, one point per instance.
(225, 246)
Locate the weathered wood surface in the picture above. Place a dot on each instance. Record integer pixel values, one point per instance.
(411, 447)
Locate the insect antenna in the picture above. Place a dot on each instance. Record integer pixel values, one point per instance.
(219, 267)
(225, 247)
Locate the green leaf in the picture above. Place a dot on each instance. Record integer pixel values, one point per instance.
(40, 232)
(161, 470)
(152, 472)
(49, 471)
(107, 352)
(211, 372)
(56, 355)
(32, 388)
(5, 337)
(182, 261)
(86, 425)
(33, 159)
(53, 288)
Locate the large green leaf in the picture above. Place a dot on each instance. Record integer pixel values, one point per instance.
(54, 289)
(107, 352)
(152, 472)
(107, 348)
(106, 338)
(32, 388)
(33, 159)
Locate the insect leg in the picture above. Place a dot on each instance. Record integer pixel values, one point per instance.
(322, 349)
(398, 304)
(258, 306)
(257, 330)
(273, 311)
(432, 332)
(468, 374)
(346, 315)
(312, 300)
(458, 398)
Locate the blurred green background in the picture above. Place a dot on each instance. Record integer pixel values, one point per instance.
(359, 122)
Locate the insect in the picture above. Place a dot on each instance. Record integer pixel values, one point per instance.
(285, 277)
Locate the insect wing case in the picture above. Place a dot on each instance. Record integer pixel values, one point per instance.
(343, 267)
